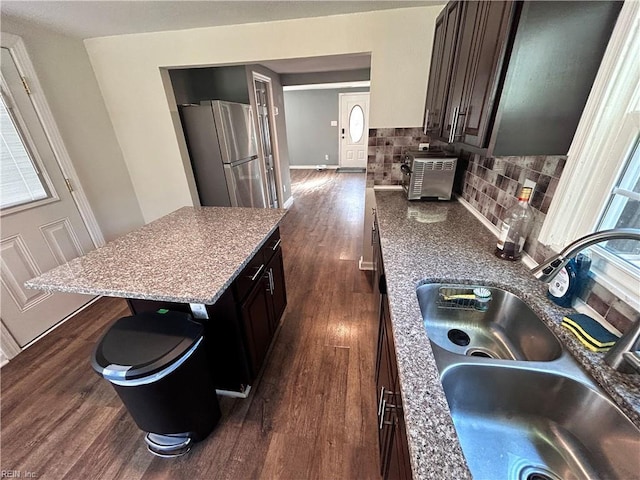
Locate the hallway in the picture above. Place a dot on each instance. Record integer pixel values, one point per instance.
(311, 415)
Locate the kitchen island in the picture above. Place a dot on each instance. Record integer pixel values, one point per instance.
(433, 242)
(210, 261)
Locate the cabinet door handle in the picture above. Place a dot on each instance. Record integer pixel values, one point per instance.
(271, 282)
(464, 124)
(373, 234)
(277, 244)
(384, 407)
(426, 129)
(454, 122)
(380, 401)
(382, 284)
(257, 274)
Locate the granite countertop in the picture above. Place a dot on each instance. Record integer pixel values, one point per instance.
(426, 242)
(189, 256)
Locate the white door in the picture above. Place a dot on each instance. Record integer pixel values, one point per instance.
(40, 223)
(354, 129)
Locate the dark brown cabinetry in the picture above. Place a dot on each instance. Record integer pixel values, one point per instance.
(392, 437)
(254, 314)
(481, 45)
(446, 33)
(242, 322)
(519, 75)
(265, 301)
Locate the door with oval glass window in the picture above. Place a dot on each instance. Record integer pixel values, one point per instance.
(354, 129)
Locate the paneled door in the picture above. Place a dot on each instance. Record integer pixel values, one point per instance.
(354, 129)
(40, 223)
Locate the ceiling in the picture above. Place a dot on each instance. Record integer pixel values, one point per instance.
(97, 18)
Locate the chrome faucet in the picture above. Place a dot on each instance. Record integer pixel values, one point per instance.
(549, 268)
(624, 355)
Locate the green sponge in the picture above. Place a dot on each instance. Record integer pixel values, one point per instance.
(590, 333)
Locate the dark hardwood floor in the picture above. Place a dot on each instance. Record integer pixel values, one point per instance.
(311, 415)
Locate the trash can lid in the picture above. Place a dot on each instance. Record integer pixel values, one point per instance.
(143, 344)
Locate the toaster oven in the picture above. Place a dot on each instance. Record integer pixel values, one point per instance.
(428, 175)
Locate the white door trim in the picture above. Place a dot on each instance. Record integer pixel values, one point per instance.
(275, 148)
(9, 348)
(20, 55)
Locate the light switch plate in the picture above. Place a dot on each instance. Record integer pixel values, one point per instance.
(530, 184)
(334, 123)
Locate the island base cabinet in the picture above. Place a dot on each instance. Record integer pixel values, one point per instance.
(255, 315)
(224, 339)
(277, 290)
(243, 321)
(262, 309)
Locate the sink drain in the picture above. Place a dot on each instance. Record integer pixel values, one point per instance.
(479, 353)
(537, 473)
(459, 337)
(538, 476)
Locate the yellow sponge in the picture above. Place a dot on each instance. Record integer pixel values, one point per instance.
(589, 332)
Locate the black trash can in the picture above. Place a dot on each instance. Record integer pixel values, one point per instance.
(156, 362)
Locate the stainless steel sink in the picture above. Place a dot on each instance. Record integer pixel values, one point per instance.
(535, 416)
(508, 329)
(517, 423)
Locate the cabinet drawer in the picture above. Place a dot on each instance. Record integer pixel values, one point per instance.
(250, 276)
(271, 246)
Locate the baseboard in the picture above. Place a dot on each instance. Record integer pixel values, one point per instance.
(362, 265)
(233, 393)
(351, 170)
(313, 167)
(288, 203)
(387, 187)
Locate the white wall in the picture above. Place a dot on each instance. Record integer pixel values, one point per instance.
(128, 71)
(63, 69)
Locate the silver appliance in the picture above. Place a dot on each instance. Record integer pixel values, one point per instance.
(428, 175)
(221, 138)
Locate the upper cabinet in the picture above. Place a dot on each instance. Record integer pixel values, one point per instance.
(444, 44)
(516, 77)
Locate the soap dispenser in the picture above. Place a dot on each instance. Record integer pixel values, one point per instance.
(570, 281)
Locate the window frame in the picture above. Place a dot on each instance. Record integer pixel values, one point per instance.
(14, 111)
(606, 133)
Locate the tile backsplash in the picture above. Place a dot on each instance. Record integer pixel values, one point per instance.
(491, 185)
(387, 147)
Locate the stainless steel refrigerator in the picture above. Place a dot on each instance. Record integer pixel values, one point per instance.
(221, 138)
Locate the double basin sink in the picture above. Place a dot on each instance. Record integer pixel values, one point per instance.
(522, 406)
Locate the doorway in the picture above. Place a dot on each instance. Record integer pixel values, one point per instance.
(264, 95)
(354, 130)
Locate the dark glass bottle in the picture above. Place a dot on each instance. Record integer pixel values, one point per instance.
(515, 228)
